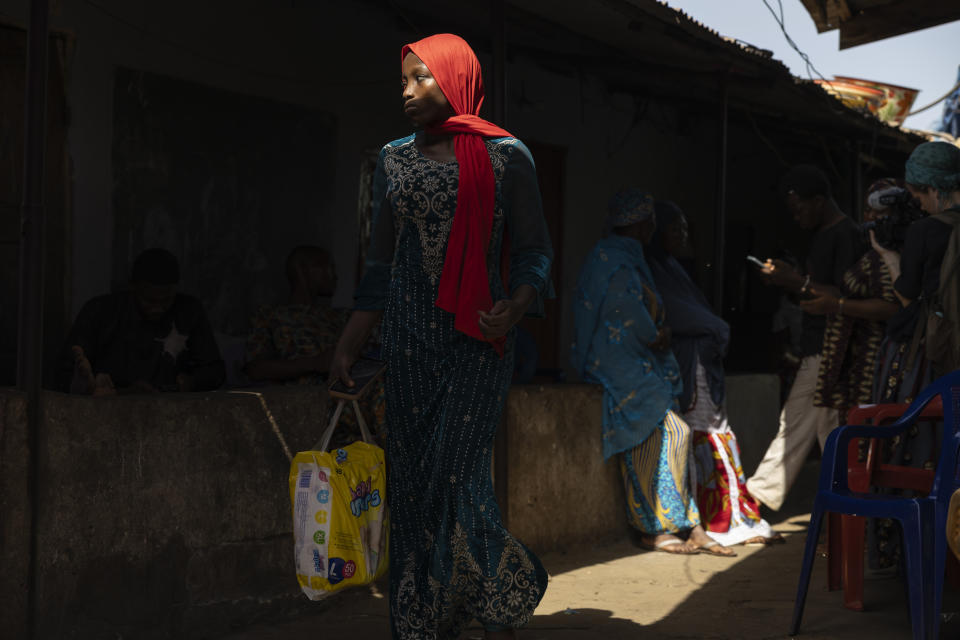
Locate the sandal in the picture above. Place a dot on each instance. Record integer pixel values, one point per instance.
(710, 549)
(757, 541)
(663, 546)
(776, 538)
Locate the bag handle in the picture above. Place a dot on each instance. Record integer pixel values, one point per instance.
(335, 420)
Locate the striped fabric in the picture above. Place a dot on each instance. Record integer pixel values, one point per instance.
(657, 482)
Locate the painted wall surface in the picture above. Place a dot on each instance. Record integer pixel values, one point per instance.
(341, 59)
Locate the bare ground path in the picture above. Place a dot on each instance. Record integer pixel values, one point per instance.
(622, 592)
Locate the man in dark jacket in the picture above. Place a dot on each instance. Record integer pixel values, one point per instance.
(147, 339)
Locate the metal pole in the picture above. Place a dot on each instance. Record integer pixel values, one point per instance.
(500, 452)
(30, 321)
(720, 224)
(499, 30)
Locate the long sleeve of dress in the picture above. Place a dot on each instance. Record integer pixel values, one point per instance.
(371, 294)
(531, 252)
(640, 384)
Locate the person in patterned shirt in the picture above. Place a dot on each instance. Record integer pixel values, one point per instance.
(293, 342)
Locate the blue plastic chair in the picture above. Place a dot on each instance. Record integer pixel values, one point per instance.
(923, 519)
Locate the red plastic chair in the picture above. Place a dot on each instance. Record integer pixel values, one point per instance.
(845, 534)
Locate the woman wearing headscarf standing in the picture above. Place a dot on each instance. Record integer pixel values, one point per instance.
(926, 282)
(621, 342)
(699, 340)
(930, 250)
(452, 205)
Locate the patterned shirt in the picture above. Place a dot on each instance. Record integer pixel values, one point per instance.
(290, 331)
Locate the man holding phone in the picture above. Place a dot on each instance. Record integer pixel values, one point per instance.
(835, 246)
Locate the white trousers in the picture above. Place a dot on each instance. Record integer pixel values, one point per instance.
(800, 424)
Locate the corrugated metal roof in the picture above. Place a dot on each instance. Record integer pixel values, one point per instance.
(764, 55)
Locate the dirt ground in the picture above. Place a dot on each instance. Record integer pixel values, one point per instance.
(622, 592)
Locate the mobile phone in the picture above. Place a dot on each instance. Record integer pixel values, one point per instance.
(363, 372)
(757, 261)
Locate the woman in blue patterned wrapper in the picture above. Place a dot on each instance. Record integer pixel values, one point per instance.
(621, 342)
(450, 204)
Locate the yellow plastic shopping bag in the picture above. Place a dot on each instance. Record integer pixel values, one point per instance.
(340, 519)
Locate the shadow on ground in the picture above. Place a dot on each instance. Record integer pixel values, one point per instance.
(754, 598)
(617, 592)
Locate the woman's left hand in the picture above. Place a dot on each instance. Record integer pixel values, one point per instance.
(821, 305)
(498, 321)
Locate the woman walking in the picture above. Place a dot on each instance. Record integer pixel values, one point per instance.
(455, 206)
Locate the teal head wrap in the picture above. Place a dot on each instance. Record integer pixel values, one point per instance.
(935, 164)
(630, 206)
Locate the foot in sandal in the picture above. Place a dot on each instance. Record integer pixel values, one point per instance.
(669, 543)
(706, 544)
(776, 538)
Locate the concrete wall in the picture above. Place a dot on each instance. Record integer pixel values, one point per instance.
(753, 409)
(168, 516)
(562, 494)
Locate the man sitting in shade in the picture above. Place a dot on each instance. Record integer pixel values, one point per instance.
(292, 343)
(149, 338)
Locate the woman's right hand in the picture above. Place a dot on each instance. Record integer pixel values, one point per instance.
(780, 273)
(821, 304)
(340, 366)
(355, 333)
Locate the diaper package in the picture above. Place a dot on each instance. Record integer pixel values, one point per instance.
(340, 519)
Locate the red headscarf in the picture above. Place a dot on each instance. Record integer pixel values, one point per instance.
(464, 284)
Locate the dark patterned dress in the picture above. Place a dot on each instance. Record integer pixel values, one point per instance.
(850, 345)
(451, 559)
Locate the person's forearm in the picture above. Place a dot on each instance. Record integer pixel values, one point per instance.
(794, 283)
(276, 369)
(818, 287)
(523, 297)
(869, 309)
(357, 331)
(892, 260)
